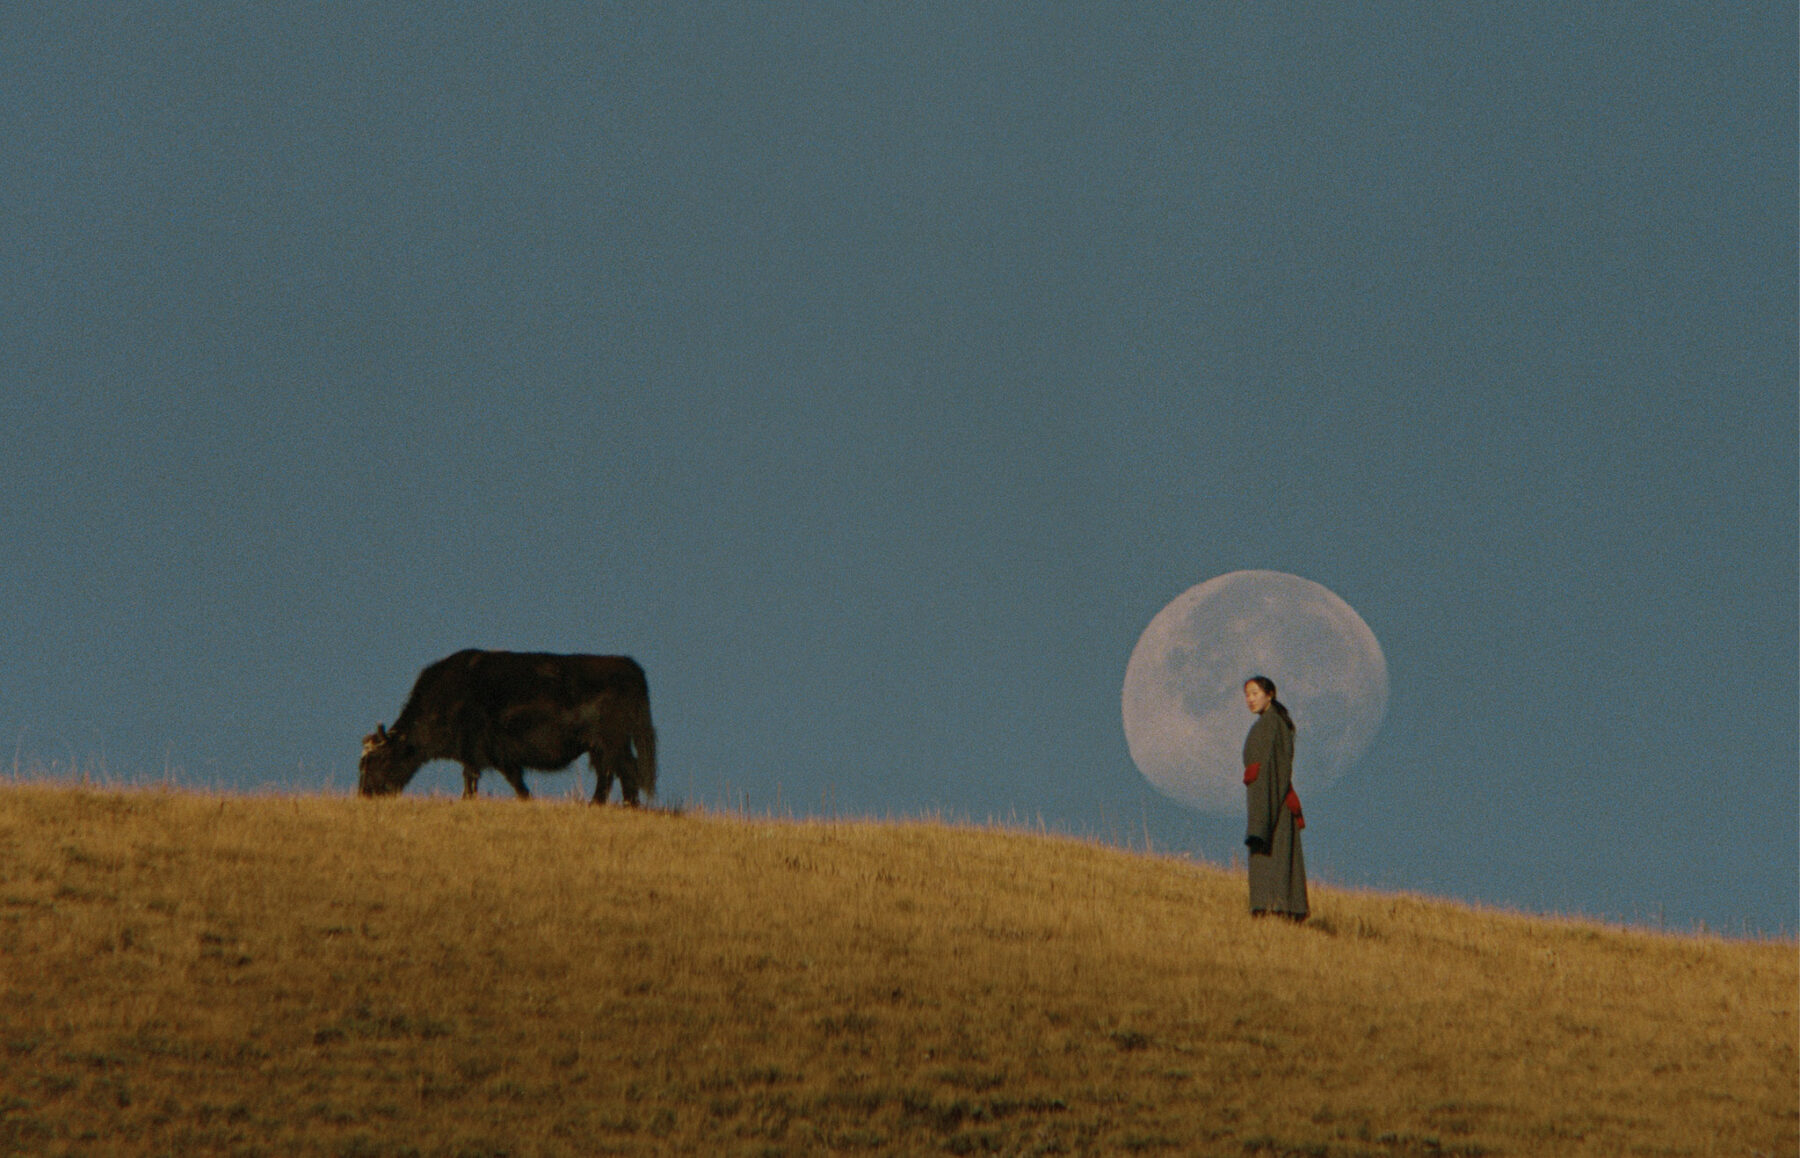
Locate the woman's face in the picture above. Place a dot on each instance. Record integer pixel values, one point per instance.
(1255, 698)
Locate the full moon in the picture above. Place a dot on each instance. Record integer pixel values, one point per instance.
(1185, 718)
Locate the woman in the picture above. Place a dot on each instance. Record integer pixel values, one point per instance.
(1277, 870)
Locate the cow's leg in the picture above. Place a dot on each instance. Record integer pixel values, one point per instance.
(628, 768)
(516, 778)
(621, 763)
(603, 775)
(471, 780)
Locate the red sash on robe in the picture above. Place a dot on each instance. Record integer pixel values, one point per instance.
(1292, 800)
(1250, 772)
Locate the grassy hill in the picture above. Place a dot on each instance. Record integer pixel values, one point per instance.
(189, 974)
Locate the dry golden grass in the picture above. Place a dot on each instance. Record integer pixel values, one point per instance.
(188, 974)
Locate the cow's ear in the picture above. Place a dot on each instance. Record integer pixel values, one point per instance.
(381, 732)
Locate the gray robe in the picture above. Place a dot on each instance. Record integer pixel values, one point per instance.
(1277, 869)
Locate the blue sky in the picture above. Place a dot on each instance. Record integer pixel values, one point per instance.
(875, 374)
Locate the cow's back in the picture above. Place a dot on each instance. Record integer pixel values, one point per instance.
(505, 679)
(591, 675)
(489, 683)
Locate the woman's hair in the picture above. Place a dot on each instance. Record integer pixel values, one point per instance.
(1268, 687)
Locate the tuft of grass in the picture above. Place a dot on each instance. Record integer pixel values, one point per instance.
(194, 974)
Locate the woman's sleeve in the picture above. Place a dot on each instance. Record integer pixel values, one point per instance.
(1259, 785)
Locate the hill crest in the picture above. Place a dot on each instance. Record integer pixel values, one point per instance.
(319, 975)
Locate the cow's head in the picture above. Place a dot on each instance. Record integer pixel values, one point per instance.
(388, 761)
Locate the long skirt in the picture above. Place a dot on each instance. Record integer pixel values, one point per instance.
(1278, 877)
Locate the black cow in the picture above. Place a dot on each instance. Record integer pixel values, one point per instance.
(519, 710)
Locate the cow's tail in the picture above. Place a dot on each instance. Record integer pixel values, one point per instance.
(643, 738)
